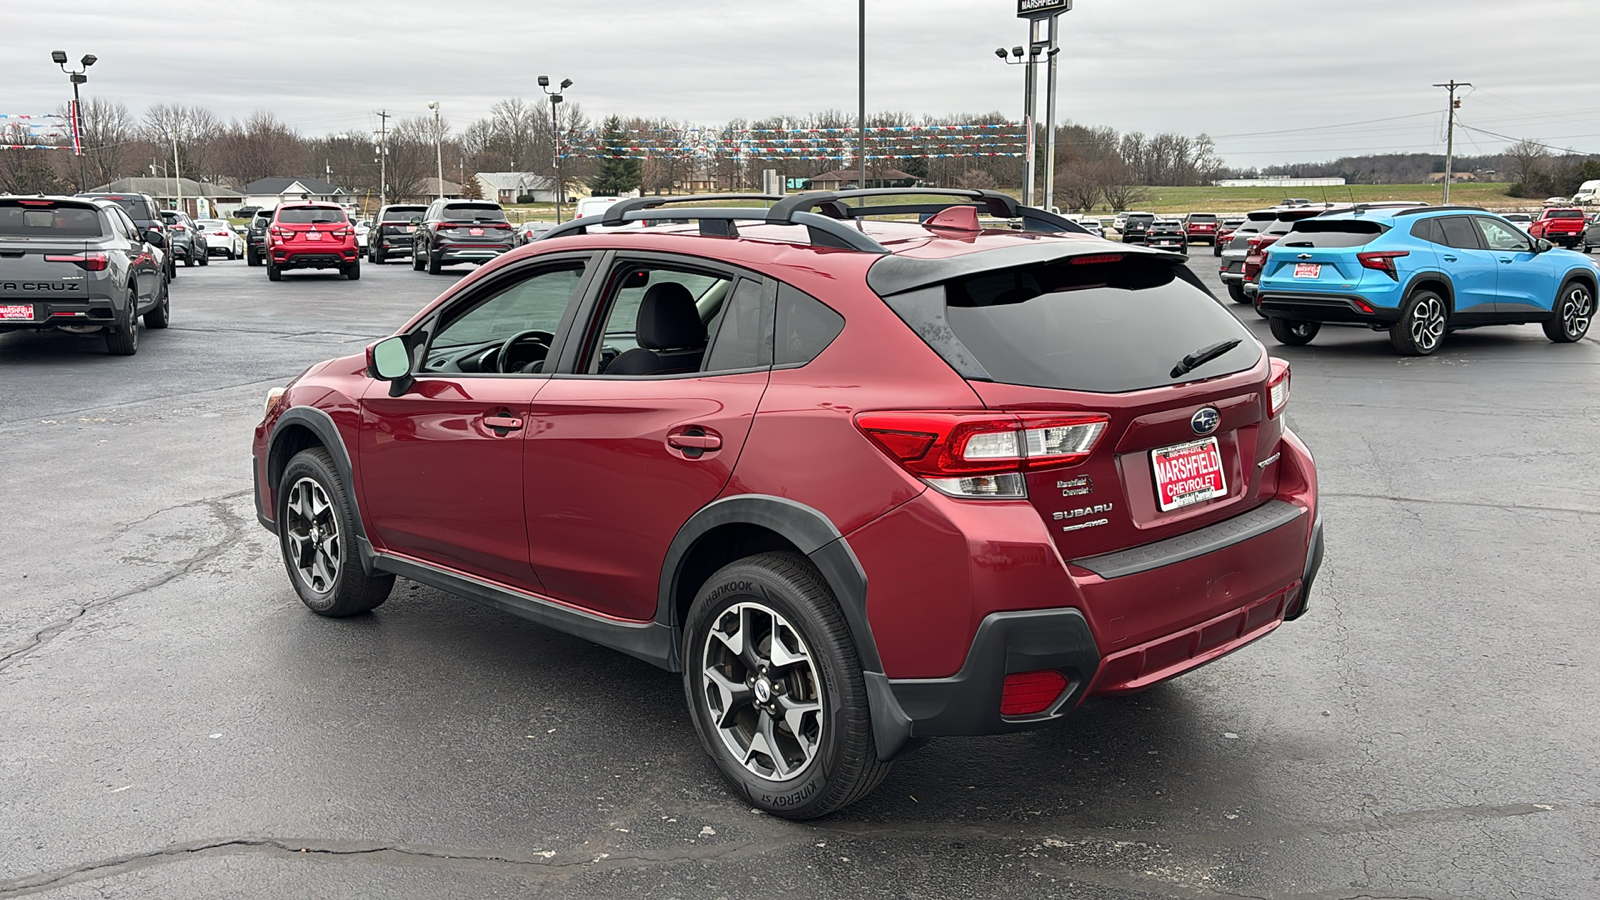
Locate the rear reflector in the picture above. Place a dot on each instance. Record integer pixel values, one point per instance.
(1278, 388)
(1031, 693)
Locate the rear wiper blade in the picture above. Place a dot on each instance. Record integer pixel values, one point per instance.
(1202, 356)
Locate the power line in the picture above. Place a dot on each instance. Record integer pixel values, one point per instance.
(1320, 127)
(1507, 137)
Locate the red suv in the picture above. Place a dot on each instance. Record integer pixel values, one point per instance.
(862, 482)
(312, 236)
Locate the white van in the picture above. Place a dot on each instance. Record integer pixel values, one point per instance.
(1588, 194)
(595, 206)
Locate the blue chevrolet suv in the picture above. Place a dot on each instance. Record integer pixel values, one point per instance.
(1420, 273)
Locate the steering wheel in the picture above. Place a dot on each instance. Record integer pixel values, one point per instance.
(508, 363)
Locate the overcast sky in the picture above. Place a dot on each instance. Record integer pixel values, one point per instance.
(1265, 79)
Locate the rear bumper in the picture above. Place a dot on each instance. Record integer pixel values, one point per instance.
(1307, 307)
(1120, 621)
(449, 253)
(61, 311)
(313, 259)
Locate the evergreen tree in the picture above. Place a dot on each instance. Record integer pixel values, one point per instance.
(618, 173)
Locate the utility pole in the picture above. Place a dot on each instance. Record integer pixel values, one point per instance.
(1450, 133)
(177, 173)
(383, 158)
(438, 147)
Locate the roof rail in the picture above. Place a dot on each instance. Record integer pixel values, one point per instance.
(1418, 210)
(827, 226)
(717, 221)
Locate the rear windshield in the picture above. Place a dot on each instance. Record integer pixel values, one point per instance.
(403, 214)
(1143, 216)
(1332, 233)
(311, 215)
(1564, 214)
(1202, 217)
(474, 212)
(136, 207)
(1106, 327)
(17, 220)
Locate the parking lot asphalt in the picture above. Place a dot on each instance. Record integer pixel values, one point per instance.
(174, 723)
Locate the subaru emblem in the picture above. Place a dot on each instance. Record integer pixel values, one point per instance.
(1205, 420)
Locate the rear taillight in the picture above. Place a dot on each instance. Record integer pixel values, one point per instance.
(1030, 693)
(1382, 260)
(981, 454)
(1277, 388)
(91, 261)
(281, 234)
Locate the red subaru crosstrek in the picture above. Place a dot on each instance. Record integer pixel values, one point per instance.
(862, 482)
(312, 236)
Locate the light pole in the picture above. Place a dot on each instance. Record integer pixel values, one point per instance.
(77, 77)
(438, 147)
(861, 82)
(555, 133)
(1029, 175)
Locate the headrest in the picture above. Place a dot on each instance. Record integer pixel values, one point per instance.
(668, 319)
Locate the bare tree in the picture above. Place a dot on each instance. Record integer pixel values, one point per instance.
(187, 131)
(1526, 160)
(111, 143)
(259, 147)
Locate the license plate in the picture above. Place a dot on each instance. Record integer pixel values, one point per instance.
(17, 312)
(314, 236)
(1188, 474)
(475, 232)
(1308, 270)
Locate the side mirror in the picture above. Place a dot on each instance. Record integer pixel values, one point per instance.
(154, 238)
(416, 220)
(1543, 246)
(390, 360)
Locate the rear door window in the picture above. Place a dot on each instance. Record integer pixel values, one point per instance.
(1459, 233)
(1105, 327)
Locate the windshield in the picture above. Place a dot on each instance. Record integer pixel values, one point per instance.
(50, 221)
(1564, 214)
(1202, 217)
(403, 214)
(474, 212)
(311, 215)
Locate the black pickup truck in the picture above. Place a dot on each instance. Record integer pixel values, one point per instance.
(80, 265)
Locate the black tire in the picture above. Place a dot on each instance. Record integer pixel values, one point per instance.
(843, 765)
(1216, 249)
(1236, 292)
(1423, 320)
(433, 263)
(416, 262)
(376, 255)
(205, 258)
(122, 338)
(1293, 333)
(1574, 310)
(252, 258)
(353, 271)
(274, 273)
(328, 533)
(159, 314)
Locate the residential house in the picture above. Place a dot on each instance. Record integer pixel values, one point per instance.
(508, 187)
(850, 179)
(199, 200)
(269, 192)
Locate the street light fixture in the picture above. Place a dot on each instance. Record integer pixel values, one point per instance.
(555, 133)
(438, 148)
(1029, 175)
(77, 77)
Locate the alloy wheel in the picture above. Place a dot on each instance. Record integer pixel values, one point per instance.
(763, 691)
(313, 535)
(1427, 323)
(1577, 308)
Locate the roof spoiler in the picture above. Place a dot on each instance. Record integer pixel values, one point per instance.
(826, 225)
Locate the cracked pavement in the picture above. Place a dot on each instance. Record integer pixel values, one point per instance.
(174, 723)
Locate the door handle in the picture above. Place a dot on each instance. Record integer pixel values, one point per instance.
(1504, 261)
(502, 424)
(694, 441)
(1449, 259)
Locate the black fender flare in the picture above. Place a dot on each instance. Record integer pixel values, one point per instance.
(1579, 273)
(1431, 275)
(821, 542)
(322, 425)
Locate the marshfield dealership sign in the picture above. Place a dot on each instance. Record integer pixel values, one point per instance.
(1029, 9)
